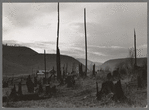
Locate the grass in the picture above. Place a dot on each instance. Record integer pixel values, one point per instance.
(83, 95)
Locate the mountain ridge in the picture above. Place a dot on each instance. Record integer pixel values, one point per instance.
(113, 63)
(23, 60)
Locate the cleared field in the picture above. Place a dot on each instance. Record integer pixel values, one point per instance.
(83, 94)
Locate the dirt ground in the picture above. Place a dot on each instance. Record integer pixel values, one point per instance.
(83, 95)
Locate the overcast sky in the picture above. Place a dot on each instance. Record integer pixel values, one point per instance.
(110, 28)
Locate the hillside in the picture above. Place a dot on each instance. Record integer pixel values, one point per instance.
(19, 50)
(90, 64)
(23, 60)
(112, 64)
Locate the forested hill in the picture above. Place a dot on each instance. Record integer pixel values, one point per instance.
(23, 60)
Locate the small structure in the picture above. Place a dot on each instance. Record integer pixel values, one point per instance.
(41, 73)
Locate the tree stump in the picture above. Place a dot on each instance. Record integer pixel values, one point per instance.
(70, 81)
(13, 94)
(20, 89)
(109, 76)
(118, 92)
(107, 87)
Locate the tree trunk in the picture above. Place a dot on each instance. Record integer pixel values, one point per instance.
(45, 63)
(85, 40)
(94, 70)
(58, 51)
(135, 50)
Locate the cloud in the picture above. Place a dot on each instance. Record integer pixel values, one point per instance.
(110, 27)
(97, 53)
(38, 46)
(10, 42)
(23, 14)
(111, 51)
(110, 47)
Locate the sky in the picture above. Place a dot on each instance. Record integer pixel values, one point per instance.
(110, 28)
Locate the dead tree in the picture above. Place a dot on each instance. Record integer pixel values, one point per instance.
(135, 65)
(94, 70)
(85, 40)
(64, 73)
(58, 51)
(45, 65)
(80, 70)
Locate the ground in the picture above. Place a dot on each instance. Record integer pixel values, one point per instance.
(83, 95)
